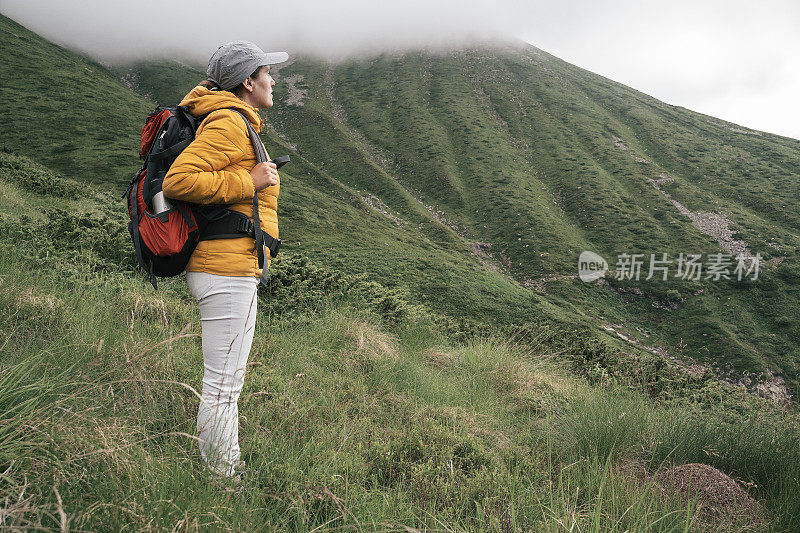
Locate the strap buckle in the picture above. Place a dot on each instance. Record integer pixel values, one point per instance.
(245, 225)
(274, 247)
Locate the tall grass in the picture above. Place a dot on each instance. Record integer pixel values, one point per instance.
(350, 419)
(589, 494)
(29, 395)
(762, 452)
(346, 424)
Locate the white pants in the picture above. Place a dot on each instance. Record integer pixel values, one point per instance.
(228, 318)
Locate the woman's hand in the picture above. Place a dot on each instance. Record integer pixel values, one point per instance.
(264, 175)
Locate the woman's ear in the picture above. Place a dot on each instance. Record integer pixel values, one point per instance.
(248, 84)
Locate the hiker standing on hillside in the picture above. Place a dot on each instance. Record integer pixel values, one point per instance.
(220, 167)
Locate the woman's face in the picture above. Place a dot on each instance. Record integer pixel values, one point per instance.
(262, 84)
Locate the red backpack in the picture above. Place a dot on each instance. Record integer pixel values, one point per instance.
(166, 232)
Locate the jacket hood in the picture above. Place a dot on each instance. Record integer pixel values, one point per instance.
(201, 101)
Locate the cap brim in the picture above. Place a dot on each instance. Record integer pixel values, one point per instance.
(273, 58)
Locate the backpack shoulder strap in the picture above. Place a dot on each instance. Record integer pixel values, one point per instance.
(261, 157)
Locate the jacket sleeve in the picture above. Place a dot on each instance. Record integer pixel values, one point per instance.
(205, 172)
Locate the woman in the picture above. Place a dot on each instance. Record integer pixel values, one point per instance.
(219, 167)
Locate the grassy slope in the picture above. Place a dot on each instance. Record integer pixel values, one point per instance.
(516, 148)
(162, 82)
(509, 147)
(314, 201)
(348, 419)
(66, 110)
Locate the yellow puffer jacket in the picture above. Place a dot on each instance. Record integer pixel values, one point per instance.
(215, 169)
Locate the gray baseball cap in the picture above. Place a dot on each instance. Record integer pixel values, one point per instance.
(233, 62)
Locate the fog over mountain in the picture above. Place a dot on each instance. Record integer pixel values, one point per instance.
(119, 31)
(734, 60)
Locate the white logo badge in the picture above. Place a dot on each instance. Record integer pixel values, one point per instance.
(591, 266)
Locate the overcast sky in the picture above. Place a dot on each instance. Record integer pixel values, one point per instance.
(737, 60)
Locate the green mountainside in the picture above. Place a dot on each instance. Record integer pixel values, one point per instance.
(540, 160)
(426, 356)
(473, 180)
(491, 170)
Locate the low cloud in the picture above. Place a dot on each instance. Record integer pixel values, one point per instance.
(734, 59)
(191, 30)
